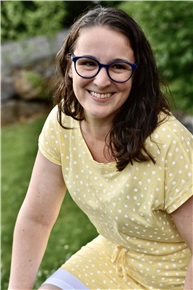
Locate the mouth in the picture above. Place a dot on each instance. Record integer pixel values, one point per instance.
(101, 96)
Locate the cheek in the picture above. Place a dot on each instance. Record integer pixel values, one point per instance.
(126, 88)
(126, 92)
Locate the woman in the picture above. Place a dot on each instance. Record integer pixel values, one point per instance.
(126, 161)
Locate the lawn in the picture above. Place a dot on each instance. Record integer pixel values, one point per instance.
(72, 229)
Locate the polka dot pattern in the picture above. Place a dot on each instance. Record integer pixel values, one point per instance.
(130, 209)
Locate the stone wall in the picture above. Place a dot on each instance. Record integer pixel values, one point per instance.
(25, 52)
(28, 67)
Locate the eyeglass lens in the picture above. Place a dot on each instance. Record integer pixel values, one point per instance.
(118, 71)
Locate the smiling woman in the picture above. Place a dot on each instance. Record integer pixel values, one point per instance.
(99, 95)
(112, 142)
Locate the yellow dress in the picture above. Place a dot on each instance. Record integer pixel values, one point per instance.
(138, 246)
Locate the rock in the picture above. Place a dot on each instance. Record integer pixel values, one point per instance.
(30, 85)
(27, 77)
(18, 110)
(7, 89)
(27, 51)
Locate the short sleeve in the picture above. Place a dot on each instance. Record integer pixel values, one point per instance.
(49, 138)
(178, 165)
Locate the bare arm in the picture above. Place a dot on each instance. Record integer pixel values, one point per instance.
(183, 218)
(35, 221)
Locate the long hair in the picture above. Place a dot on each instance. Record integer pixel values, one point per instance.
(138, 116)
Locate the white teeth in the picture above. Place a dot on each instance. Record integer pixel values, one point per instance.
(100, 96)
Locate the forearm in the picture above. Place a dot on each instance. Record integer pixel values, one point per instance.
(189, 276)
(29, 243)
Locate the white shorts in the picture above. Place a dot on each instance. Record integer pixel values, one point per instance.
(65, 280)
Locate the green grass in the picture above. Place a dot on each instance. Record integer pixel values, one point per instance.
(72, 229)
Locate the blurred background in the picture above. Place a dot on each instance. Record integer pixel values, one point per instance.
(31, 34)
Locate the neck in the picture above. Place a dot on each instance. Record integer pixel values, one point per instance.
(96, 137)
(96, 129)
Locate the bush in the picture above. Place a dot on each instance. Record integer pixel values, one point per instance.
(168, 26)
(35, 18)
(24, 19)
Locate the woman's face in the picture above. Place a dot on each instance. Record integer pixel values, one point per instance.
(101, 97)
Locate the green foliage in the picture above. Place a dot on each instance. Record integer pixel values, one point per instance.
(72, 229)
(168, 26)
(24, 19)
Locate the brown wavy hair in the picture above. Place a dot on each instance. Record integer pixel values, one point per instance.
(138, 116)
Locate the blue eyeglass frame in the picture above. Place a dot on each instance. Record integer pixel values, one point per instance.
(106, 66)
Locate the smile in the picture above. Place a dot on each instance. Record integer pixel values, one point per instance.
(101, 96)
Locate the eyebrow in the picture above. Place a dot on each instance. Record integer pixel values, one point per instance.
(113, 60)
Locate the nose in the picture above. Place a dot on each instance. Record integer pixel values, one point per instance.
(102, 79)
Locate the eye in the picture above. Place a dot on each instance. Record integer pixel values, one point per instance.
(120, 67)
(117, 66)
(87, 63)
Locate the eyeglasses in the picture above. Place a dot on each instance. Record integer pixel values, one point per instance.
(119, 71)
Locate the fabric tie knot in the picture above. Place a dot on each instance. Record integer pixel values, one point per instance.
(119, 259)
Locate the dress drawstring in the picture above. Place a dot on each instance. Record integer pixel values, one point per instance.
(119, 259)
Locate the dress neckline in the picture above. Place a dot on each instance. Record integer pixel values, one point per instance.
(108, 165)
